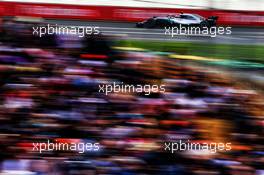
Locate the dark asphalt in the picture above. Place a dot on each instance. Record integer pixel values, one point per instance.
(129, 31)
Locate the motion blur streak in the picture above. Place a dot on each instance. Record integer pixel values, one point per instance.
(49, 93)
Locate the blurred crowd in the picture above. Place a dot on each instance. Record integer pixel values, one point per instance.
(49, 90)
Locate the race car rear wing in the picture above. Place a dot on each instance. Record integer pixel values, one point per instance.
(212, 20)
(213, 17)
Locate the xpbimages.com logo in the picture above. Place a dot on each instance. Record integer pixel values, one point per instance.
(183, 145)
(80, 31)
(147, 89)
(80, 147)
(197, 31)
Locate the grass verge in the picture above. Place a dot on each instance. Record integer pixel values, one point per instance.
(253, 53)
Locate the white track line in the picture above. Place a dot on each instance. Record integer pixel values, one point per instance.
(127, 32)
(162, 34)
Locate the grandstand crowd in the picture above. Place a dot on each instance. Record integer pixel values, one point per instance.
(49, 89)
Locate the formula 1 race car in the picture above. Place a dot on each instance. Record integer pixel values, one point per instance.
(184, 19)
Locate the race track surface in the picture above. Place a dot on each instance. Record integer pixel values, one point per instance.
(129, 31)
